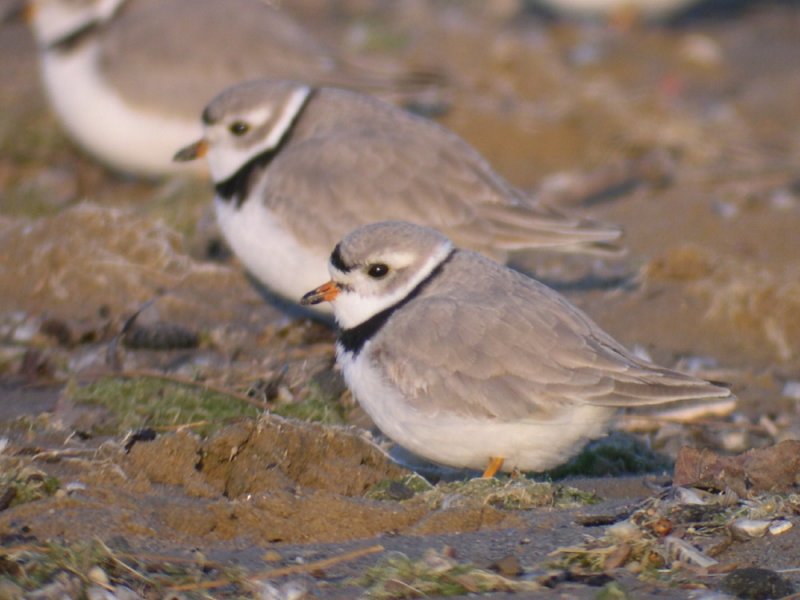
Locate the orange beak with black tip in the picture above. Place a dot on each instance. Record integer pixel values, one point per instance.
(327, 292)
(192, 151)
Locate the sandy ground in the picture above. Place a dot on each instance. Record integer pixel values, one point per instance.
(687, 135)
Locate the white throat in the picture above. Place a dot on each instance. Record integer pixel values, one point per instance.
(224, 159)
(351, 308)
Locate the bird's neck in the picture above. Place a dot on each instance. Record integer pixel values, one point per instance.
(238, 186)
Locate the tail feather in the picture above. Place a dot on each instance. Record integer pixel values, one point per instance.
(518, 228)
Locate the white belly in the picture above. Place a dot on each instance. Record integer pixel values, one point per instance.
(648, 8)
(469, 443)
(269, 252)
(124, 137)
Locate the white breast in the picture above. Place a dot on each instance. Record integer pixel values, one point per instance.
(125, 137)
(461, 442)
(649, 8)
(270, 252)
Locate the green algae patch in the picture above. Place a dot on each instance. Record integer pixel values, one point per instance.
(400, 489)
(437, 575)
(503, 494)
(152, 402)
(508, 494)
(19, 486)
(318, 399)
(316, 404)
(613, 456)
(92, 569)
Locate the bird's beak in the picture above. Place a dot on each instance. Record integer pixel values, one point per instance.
(192, 151)
(327, 292)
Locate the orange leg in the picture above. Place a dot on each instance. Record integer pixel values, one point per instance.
(495, 462)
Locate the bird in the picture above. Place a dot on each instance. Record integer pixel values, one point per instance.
(647, 9)
(296, 167)
(470, 364)
(127, 78)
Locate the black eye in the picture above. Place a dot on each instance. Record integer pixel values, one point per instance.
(378, 270)
(239, 128)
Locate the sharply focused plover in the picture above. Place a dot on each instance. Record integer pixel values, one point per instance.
(468, 363)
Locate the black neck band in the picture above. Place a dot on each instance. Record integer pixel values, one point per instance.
(237, 187)
(74, 39)
(353, 339)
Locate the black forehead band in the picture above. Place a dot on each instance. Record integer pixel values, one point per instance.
(207, 118)
(338, 262)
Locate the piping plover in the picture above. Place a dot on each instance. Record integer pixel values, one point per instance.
(468, 363)
(297, 167)
(127, 78)
(648, 9)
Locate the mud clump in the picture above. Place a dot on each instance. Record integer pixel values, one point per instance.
(284, 480)
(773, 469)
(170, 460)
(274, 453)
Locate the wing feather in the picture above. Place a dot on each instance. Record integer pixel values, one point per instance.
(490, 342)
(416, 173)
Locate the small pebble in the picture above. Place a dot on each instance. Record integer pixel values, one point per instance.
(98, 576)
(745, 529)
(783, 199)
(612, 591)
(791, 389)
(271, 556)
(688, 496)
(701, 50)
(96, 592)
(624, 531)
(698, 364)
(291, 590)
(779, 527)
(662, 527)
(726, 210)
(25, 331)
(585, 54)
(685, 552)
(120, 593)
(508, 566)
(735, 441)
(125, 593)
(756, 584)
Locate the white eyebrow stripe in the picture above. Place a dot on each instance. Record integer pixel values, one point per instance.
(397, 259)
(290, 111)
(256, 116)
